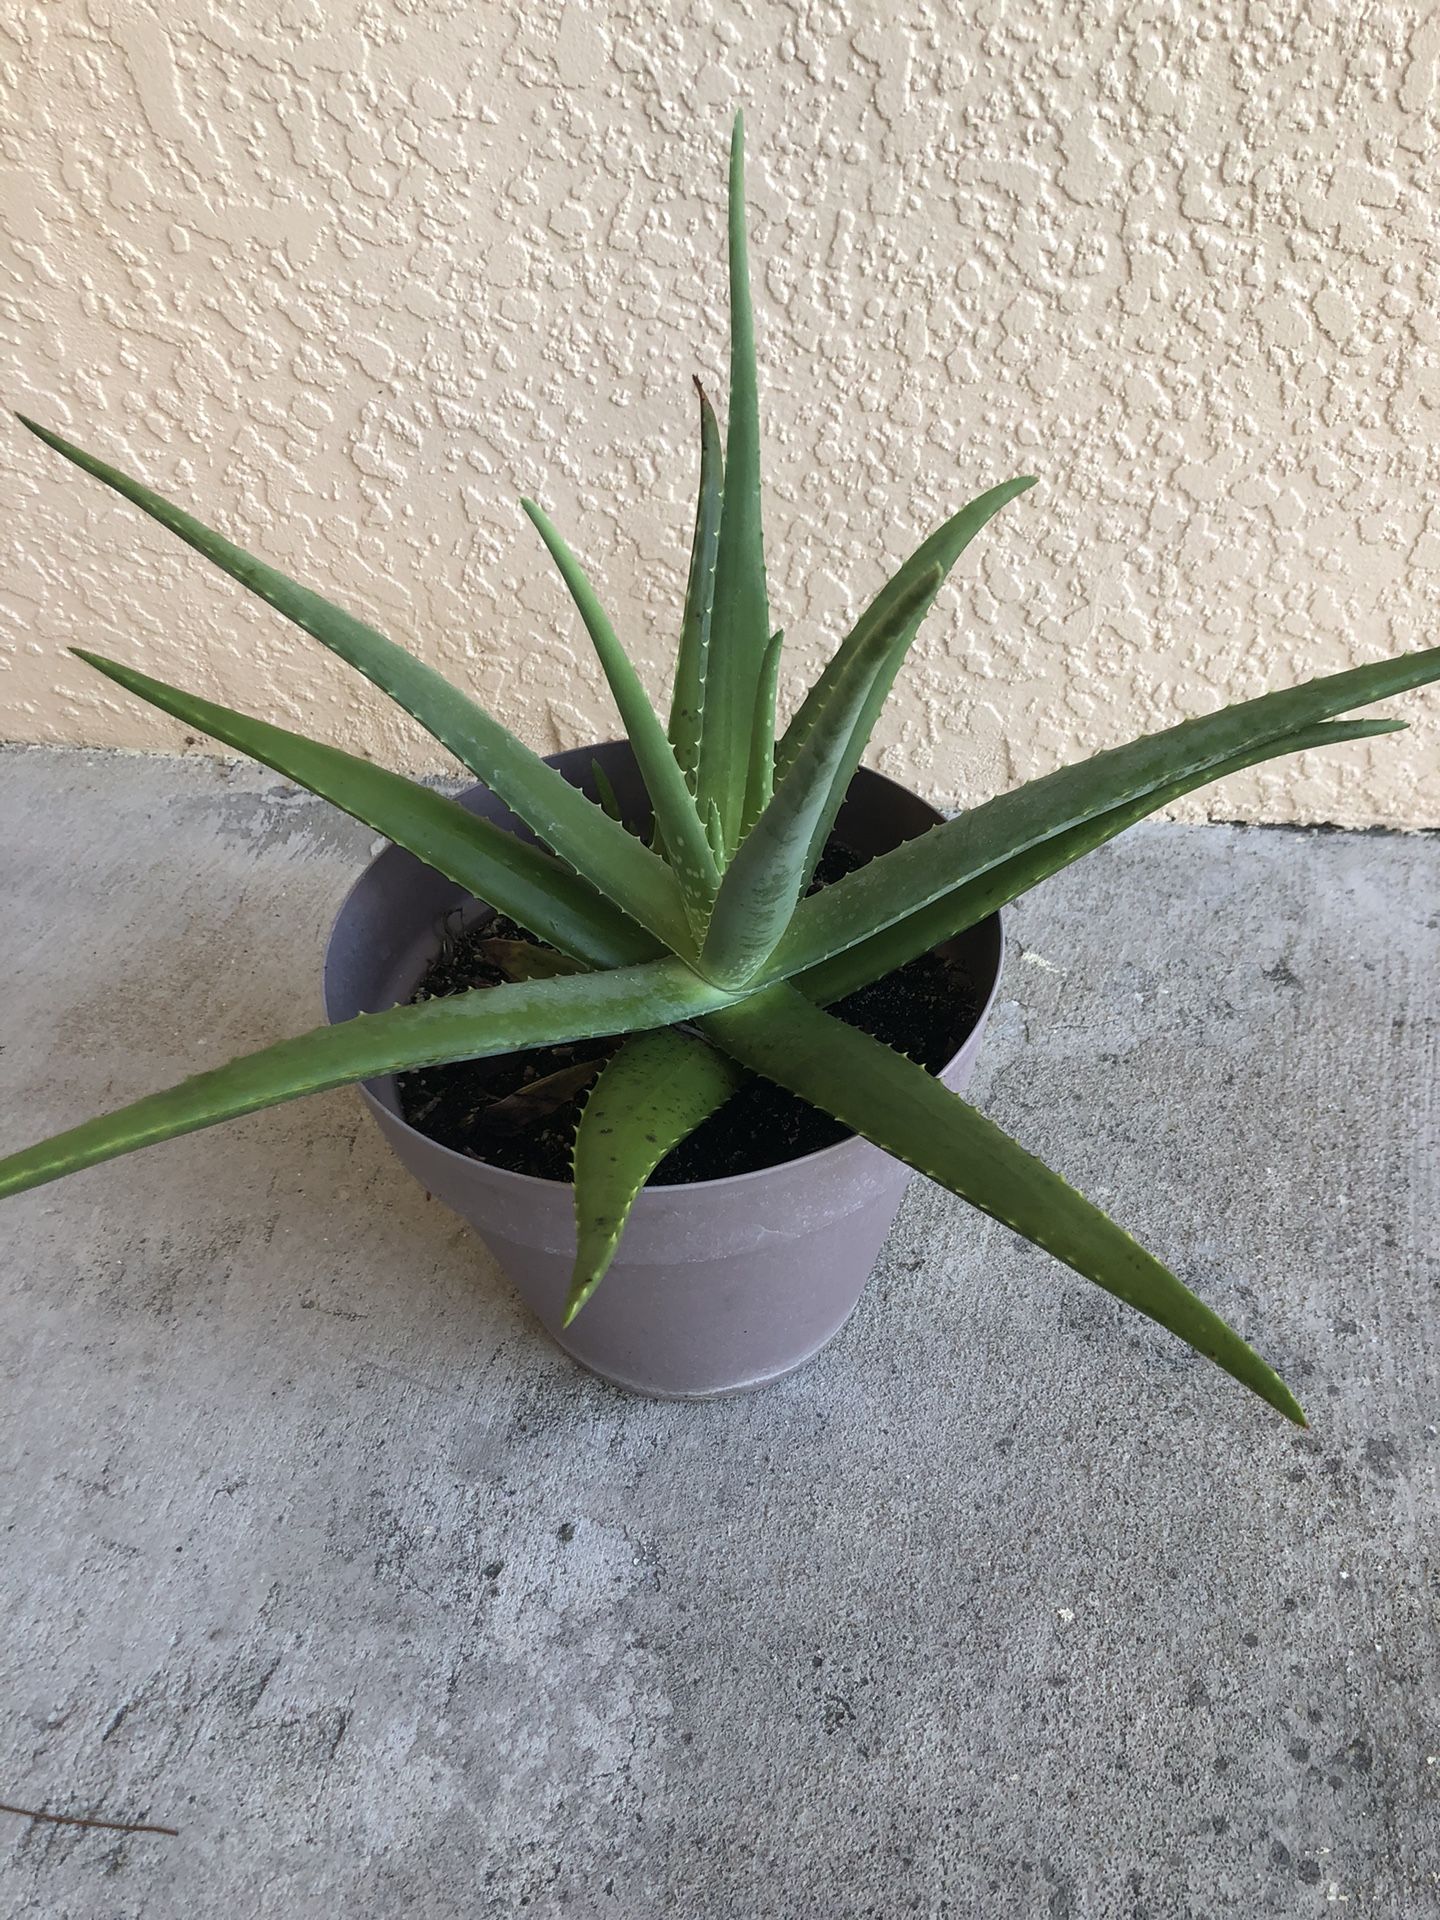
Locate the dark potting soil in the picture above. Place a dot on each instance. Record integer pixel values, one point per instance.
(520, 1110)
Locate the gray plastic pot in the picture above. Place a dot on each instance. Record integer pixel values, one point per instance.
(720, 1285)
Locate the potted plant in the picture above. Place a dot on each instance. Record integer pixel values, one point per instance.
(649, 907)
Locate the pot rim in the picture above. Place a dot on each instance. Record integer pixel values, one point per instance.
(508, 1175)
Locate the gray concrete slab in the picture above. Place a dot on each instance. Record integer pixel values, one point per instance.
(316, 1551)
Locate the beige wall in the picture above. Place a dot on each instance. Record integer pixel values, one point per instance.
(350, 278)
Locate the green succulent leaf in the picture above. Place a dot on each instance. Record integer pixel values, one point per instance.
(760, 782)
(498, 867)
(941, 549)
(975, 900)
(758, 894)
(906, 1111)
(605, 789)
(652, 1094)
(959, 851)
(687, 706)
(740, 625)
(462, 1026)
(680, 825)
(634, 877)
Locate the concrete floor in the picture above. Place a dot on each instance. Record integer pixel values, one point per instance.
(315, 1550)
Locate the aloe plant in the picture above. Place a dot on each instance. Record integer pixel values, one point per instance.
(700, 945)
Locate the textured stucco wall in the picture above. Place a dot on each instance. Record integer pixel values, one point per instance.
(350, 278)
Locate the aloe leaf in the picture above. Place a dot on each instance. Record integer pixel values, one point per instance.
(972, 902)
(758, 894)
(760, 783)
(462, 1026)
(686, 847)
(604, 787)
(958, 851)
(521, 880)
(906, 1111)
(740, 624)
(562, 817)
(653, 1093)
(944, 547)
(941, 549)
(687, 705)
